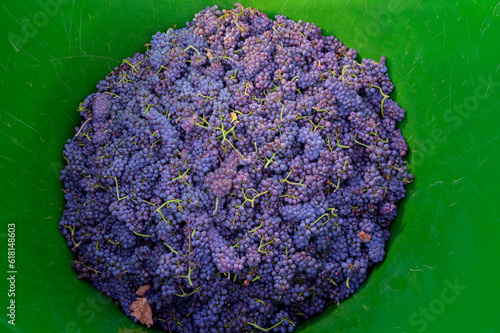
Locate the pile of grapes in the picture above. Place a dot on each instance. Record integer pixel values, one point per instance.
(238, 176)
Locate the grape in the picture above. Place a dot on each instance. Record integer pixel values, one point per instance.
(246, 169)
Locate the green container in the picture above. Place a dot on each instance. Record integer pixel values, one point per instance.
(441, 269)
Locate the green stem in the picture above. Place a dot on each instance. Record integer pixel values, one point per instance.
(109, 93)
(166, 203)
(163, 217)
(259, 301)
(181, 176)
(192, 47)
(117, 192)
(383, 99)
(147, 109)
(331, 280)
(288, 196)
(232, 77)
(257, 152)
(131, 65)
(207, 97)
(341, 146)
(184, 293)
(336, 186)
(359, 143)
(171, 248)
(252, 232)
(265, 329)
(260, 100)
(188, 276)
(250, 200)
(159, 70)
(319, 218)
(224, 136)
(142, 235)
(292, 183)
(284, 180)
(264, 245)
(333, 210)
(316, 126)
(216, 205)
(269, 160)
(204, 121)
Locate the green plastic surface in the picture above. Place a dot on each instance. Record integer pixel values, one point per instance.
(442, 269)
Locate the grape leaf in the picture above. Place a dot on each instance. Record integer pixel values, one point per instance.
(142, 290)
(364, 236)
(142, 311)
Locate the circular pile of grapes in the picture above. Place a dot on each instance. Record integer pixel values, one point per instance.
(239, 175)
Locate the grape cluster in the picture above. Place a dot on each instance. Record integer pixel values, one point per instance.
(246, 169)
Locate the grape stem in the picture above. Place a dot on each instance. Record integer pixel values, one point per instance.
(331, 280)
(159, 70)
(109, 93)
(117, 192)
(252, 232)
(265, 329)
(192, 47)
(316, 126)
(259, 301)
(269, 160)
(86, 121)
(250, 200)
(142, 235)
(207, 97)
(359, 143)
(216, 204)
(289, 182)
(225, 133)
(181, 176)
(319, 218)
(188, 276)
(204, 121)
(147, 109)
(166, 203)
(257, 152)
(184, 293)
(125, 61)
(264, 245)
(383, 99)
(171, 248)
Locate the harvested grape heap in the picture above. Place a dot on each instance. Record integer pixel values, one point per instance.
(238, 176)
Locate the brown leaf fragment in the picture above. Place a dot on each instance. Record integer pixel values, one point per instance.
(364, 236)
(209, 54)
(142, 290)
(142, 311)
(234, 117)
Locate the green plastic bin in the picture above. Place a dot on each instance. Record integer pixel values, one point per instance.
(442, 268)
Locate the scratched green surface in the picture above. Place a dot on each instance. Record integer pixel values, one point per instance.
(442, 267)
